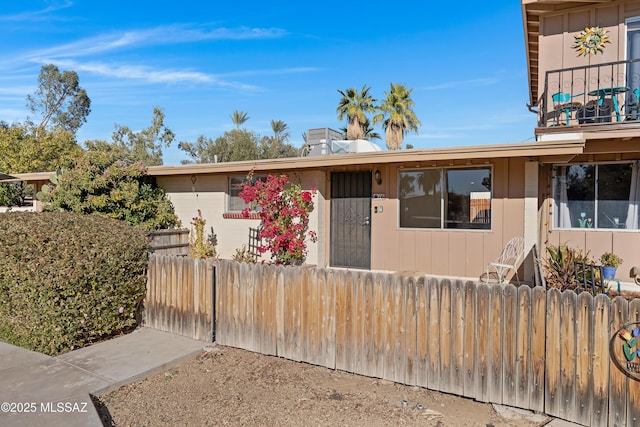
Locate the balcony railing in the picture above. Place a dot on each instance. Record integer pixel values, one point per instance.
(594, 94)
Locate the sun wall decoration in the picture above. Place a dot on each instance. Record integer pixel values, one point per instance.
(591, 41)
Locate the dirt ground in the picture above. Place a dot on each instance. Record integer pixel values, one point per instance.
(225, 386)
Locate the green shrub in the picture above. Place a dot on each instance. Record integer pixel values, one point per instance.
(68, 279)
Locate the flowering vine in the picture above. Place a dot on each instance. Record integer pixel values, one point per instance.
(285, 217)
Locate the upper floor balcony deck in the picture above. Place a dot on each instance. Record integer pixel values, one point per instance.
(585, 96)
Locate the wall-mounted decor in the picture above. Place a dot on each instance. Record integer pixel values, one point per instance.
(590, 41)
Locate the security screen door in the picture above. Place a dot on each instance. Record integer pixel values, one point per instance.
(350, 220)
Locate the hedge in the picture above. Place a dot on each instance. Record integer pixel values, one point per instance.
(67, 279)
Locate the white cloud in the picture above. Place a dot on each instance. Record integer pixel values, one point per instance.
(38, 15)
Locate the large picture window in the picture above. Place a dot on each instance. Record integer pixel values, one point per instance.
(445, 198)
(596, 196)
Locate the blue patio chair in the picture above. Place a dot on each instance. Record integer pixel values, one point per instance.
(562, 103)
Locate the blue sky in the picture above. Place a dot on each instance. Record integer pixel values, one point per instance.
(200, 61)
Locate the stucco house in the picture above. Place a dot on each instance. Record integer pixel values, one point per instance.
(450, 211)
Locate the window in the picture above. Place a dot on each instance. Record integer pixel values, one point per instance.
(596, 196)
(236, 204)
(445, 198)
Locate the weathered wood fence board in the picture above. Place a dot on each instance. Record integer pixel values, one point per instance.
(179, 296)
(169, 242)
(530, 348)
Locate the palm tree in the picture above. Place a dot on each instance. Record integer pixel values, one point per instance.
(354, 106)
(280, 130)
(238, 118)
(369, 131)
(396, 111)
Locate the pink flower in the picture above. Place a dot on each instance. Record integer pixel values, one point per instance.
(121, 310)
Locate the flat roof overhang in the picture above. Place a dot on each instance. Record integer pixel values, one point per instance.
(533, 150)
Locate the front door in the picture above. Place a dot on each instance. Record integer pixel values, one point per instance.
(350, 219)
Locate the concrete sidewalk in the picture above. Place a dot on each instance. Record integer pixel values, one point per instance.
(36, 389)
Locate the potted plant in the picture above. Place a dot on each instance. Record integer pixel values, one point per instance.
(610, 262)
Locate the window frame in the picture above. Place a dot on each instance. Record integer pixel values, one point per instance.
(444, 197)
(229, 197)
(596, 201)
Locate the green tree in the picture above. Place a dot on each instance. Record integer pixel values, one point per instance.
(369, 131)
(22, 152)
(354, 106)
(277, 146)
(145, 145)
(396, 110)
(202, 151)
(100, 182)
(59, 100)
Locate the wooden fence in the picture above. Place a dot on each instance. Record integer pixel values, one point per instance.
(169, 242)
(180, 296)
(524, 347)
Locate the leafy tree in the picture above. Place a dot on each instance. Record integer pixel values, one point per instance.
(354, 106)
(239, 118)
(100, 182)
(145, 145)
(21, 151)
(59, 100)
(396, 110)
(202, 151)
(11, 193)
(276, 146)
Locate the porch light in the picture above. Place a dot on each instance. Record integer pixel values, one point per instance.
(377, 175)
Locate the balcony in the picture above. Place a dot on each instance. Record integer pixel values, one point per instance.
(588, 96)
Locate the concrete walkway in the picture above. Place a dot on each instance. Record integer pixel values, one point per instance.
(36, 389)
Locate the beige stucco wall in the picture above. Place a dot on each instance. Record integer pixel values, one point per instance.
(449, 252)
(209, 195)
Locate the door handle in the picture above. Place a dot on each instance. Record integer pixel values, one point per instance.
(366, 221)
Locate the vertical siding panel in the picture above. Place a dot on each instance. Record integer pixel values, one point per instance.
(446, 341)
(538, 336)
(341, 285)
(483, 356)
(409, 284)
(457, 338)
(618, 380)
(633, 405)
(553, 390)
(368, 327)
(422, 327)
(510, 342)
(600, 331)
(495, 343)
(470, 341)
(523, 347)
(433, 362)
(569, 302)
(584, 354)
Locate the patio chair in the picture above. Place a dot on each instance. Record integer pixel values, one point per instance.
(562, 103)
(509, 259)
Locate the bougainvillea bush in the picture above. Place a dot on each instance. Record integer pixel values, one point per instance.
(67, 279)
(284, 211)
